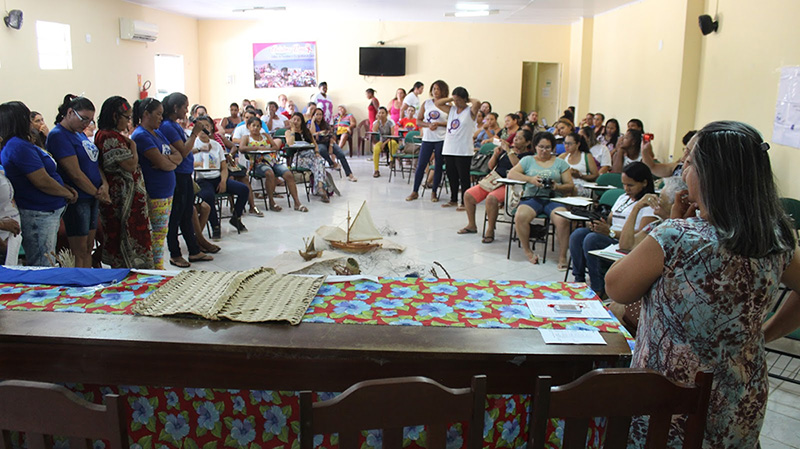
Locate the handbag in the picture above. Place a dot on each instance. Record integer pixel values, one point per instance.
(480, 162)
(489, 182)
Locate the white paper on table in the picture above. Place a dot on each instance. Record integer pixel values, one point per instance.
(571, 337)
(356, 277)
(591, 308)
(612, 251)
(578, 201)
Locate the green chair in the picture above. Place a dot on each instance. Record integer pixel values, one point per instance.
(412, 139)
(610, 197)
(475, 175)
(610, 179)
(792, 208)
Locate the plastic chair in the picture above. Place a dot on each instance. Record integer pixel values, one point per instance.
(411, 139)
(610, 197)
(620, 394)
(41, 410)
(391, 405)
(362, 129)
(610, 179)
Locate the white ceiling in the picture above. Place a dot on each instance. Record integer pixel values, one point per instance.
(556, 12)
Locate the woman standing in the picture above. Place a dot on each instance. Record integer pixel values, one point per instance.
(176, 105)
(39, 192)
(372, 107)
(127, 242)
(396, 103)
(457, 149)
(325, 140)
(76, 156)
(310, 159)
(433, 122)
(707, 281)
(158, 162)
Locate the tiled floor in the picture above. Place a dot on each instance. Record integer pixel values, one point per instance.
(429, 232)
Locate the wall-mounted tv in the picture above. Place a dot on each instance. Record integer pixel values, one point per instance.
(382, 61)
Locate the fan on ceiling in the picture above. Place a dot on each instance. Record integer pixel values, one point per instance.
(13, 19)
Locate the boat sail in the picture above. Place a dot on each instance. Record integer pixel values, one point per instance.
(361, 232)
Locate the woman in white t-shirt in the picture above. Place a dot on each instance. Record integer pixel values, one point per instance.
(600, 152)
(432, 121)
(637, 181)
(461, 111)
(582, 166)
(629, 150)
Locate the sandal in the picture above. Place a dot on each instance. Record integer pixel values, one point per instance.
(533, 258)
(256, 212)
(488, 239)
(467, 231)
(412, 197)
(434, 198)
(301, 208)
(377, 174)
(562, 266)
(461, 208)
(275, 208)
(179, 262)
(200, 257)
(211, 248)
(450, 204)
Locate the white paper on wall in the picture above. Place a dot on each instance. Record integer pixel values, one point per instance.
(786, 129)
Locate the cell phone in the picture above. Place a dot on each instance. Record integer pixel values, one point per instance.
(496, 141)
(648, 137)
(205, 130)
(567, 308)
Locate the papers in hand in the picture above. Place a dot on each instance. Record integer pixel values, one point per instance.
(612, 252)
(545, 308)
(571, 337)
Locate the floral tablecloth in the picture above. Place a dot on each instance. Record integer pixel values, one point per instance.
(212, 418)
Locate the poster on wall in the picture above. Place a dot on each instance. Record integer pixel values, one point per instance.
(285, 64)
(786, 130)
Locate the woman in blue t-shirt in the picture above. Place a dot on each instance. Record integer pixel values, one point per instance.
(76, 156)
(39, 192)
(158, 163)
(176, 105)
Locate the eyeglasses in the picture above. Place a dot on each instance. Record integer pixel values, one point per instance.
(569, 144)
(127, 116)
(83, 120)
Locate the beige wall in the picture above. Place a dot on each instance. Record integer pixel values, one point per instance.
(580, 74)
(637, 64)
(484, 58)
(740, 71)
(102, 67)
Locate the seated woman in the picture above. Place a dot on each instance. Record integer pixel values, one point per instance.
(228, 124)
(628, 150)
(385, 128)
(546, 176)
(512, 123)
(309, 159)
(707, 283)
(600, 153)
(487, 131)
(345, 124)
(503, 159)
(268, 166)
(582, 166)
(611, 134)
(324, 135)
(637, 181)
(210, 155)
(39, 129)
(667, 169)
(563, 128)
(409, 122)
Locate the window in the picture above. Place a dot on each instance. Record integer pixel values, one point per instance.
(55, 46)
(169, 75)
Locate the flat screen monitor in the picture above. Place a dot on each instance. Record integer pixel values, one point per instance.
(382, 61)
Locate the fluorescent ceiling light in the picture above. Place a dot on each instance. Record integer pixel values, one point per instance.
(472, 13)
(472, 6)
(261, 8)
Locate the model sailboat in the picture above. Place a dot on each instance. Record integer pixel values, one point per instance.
(361, 233)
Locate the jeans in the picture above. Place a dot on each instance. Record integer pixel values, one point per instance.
(208, 190)
(323, 151)
(39, 232)
(581, 242)
(425, 151)
(181, 216)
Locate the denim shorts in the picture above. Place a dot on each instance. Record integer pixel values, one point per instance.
(278, 169)
(81, 217)
(541, 205)
(39, 231)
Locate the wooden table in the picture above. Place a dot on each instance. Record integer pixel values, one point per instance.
(184, 352)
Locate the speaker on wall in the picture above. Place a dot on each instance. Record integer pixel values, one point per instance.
(707, 24)
(13, 19)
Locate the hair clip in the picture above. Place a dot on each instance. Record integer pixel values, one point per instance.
(764, 146)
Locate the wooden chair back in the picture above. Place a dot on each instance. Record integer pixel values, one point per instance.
(391, 404)
(620, 394)
(41, 410)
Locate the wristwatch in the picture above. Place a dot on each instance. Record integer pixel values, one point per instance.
(612, 234)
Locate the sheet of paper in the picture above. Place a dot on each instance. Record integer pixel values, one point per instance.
(570, 216)
(579, 201)
(545, 308)
(571, 337)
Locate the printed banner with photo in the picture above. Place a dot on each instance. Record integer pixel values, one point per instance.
(287, 64)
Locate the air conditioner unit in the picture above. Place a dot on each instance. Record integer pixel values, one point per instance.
(137, 30)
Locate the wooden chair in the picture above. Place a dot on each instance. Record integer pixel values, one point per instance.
(41, 410)
(620, 394)
(391, 404)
